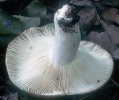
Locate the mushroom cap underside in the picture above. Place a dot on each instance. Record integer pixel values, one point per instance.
(30, 69)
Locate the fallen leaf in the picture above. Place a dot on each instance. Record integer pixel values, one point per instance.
(16, 24)
(113, 32)
(115, 53)
(87, 19)
(87, 15)
(35, 9)
(81, 2)
(3, 97)
(101, 39)
(13, 96)
(110, 14)
(9, 24)
(28, 21)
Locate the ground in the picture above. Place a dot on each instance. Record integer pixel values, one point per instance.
(99, 22)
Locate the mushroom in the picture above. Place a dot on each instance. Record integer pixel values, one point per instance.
(48, 61)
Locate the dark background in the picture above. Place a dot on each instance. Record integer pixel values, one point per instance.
(99, 22)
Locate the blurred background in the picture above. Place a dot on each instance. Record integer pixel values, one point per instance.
(99, 23)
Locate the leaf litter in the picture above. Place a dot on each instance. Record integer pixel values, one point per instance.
(92, 13)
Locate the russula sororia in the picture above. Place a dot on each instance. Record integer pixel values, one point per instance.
(53, 61)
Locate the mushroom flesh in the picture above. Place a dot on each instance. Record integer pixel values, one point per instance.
(51, 61)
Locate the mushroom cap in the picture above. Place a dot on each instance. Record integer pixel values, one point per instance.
(30, 69)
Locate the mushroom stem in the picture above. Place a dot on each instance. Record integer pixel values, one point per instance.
(66, 44)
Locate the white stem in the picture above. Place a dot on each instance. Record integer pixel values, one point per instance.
(65, 45)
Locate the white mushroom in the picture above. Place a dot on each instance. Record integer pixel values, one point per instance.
(50, 61)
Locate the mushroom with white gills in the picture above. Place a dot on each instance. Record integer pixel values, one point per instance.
(55, 62)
